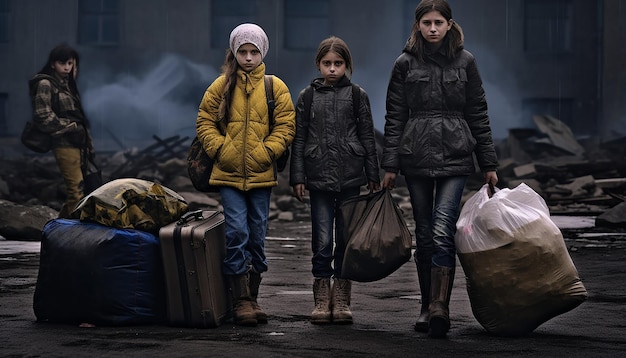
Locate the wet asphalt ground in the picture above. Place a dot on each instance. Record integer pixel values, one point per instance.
(384, 312)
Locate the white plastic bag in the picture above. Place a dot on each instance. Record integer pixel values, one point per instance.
(518, 271)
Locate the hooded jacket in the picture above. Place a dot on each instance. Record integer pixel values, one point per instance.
(244, 146)
(437, 117)
(55, 108)
(334, 150)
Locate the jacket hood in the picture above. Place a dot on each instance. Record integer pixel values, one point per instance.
(32, 83)
(406, 47)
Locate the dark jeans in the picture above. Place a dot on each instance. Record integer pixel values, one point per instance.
(436, 206)
(325, 216)
(246, 214)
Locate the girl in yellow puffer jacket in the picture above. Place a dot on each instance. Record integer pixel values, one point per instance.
(234, 129)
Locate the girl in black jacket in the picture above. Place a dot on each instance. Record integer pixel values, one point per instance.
(436, 122)
(334, 154)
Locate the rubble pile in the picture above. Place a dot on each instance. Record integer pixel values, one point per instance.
(574, 178)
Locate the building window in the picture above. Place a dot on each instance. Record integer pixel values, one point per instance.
(99, 22)
(307, 22)
(5, 20)
(226, 15)
(548, 26)
(4, 127)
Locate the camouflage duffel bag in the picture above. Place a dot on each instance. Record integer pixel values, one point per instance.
(131, 203)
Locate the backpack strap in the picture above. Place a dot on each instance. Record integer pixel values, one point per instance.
(269, 94)
(356, 101)
(308, 100)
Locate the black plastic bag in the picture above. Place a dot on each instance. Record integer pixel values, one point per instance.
(379, 242)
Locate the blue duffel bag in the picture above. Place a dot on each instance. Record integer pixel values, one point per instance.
(90, 273)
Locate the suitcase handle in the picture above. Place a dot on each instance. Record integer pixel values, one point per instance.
(195, 216)
(188, 216)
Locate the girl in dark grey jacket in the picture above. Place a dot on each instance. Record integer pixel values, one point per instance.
(436, 122)
(334, 154)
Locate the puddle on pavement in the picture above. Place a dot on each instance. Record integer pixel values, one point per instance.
(294, 293)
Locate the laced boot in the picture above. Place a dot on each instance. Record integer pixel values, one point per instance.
(255, 282)
(242, 302)
(423, 275)
(321, 294)
(340, 302)
(442, 279)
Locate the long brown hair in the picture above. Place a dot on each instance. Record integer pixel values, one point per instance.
(453, 41)
(229, 69)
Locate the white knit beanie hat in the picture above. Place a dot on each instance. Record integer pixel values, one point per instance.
(249, 34)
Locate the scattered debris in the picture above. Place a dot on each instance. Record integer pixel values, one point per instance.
(574, 179)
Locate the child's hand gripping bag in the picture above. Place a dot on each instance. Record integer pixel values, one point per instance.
(519, 273)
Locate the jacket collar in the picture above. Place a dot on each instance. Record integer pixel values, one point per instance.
(249, 80)
(54, 80)
(318, 83)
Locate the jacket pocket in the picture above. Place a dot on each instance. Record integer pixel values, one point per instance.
(415, 142)
(314, 166)
(418, 84)
(454, 82)
(354, 161)
(311, 151)
(458, 138)
(356, 149)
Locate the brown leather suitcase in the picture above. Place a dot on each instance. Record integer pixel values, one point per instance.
(193, 249)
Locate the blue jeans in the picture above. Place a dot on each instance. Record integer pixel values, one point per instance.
(436, 204)
(246, 215)
(325, 215)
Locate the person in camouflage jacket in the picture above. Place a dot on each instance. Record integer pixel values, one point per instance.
(57, 110)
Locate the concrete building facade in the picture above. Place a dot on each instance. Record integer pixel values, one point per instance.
(145, 63)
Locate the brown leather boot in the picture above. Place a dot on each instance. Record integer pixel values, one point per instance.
(340, 301)
(243, 313)
(321, 294)
(442, 279)
(255, 282)
(423, 275)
